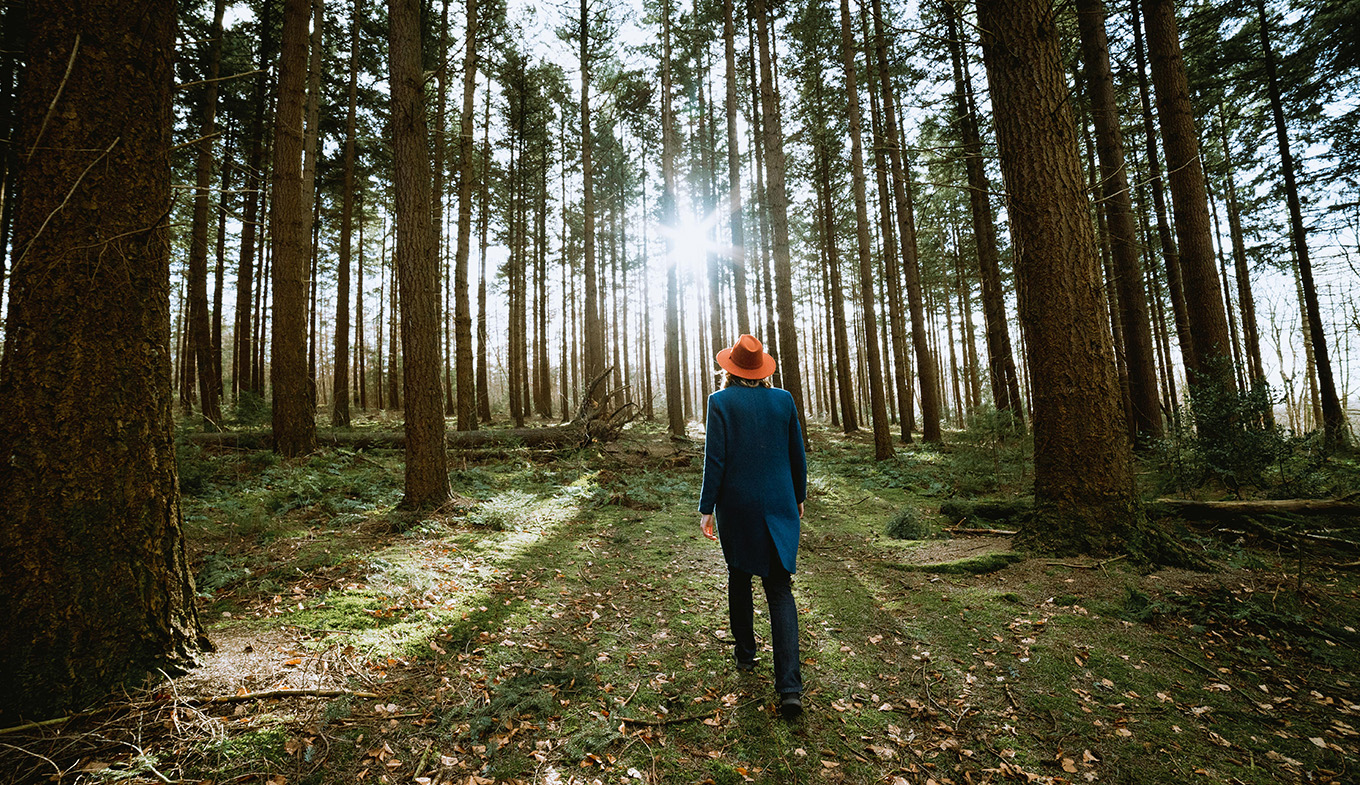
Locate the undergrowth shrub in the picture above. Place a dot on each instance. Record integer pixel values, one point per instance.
(994, 454)
(509, 510)
(251, 410)
(1238, 444)
(907, 525)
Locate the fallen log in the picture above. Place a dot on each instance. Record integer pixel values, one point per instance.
(594, 422)
(1221, 509)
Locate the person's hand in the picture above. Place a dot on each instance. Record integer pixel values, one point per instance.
(800, 509)
(706, 526)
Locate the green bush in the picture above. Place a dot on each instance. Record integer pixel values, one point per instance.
(1234, 441)
(251, 410)
(907, 525)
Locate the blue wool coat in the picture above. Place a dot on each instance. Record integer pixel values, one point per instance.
(755, 475)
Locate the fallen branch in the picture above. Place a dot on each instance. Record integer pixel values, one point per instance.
(1345, 506)
(1097, 566)
(287, 693)
(32, 725)
(592, 423)
(669, 720)
(974, 530)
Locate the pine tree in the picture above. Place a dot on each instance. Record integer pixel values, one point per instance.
(98, 584)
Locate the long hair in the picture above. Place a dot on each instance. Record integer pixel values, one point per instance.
(729, 380)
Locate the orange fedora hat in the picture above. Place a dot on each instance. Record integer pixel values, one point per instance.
(747, 359)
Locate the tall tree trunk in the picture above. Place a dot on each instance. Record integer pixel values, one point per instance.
(675, 412)
(839, 345)
(878, 402)
(885, 133)
(1333, 416)
(360, 344)
(466, 402)
(96, 573)
(594, 333)
(243, 356)
(311, 136)
(13, 31)
(393, 323)
(340, 384)
(1123, 233)
(220, 271)
(378, 326)
(483, 218)
(778, 202)
(427, 477)
(734, 206)
(1255, 369)
(1001, 362)
(200, 324)
(1170, 253)
(440, 140)
(1212, 361)
(1083, 472)
(289, 213)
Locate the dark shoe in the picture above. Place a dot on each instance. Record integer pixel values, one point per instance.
(791, 705)
(746, 667)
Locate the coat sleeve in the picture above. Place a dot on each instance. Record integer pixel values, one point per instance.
(715, 457)
(797, 457)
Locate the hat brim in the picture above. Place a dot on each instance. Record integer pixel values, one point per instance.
(767, 365)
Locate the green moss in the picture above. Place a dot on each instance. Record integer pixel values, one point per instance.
(973, 565)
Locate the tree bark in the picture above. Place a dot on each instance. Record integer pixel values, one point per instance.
(1212, 361)
(483, 217)
(675, 411)
(466, 401)
(1167, 240)
(200, 324)
(1245, 301)
(777, 199)
(839, 345)
(1083, 473)
(878, 404)
(98, 590)
(887, 143)
(289, 215)
(427, 477)
(1001, 363)
(1123, 233)
(734, 206)
(340, 391)
(594, 333)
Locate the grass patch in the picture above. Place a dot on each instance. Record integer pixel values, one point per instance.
(571, 625)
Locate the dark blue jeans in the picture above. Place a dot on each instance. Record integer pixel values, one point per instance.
(783, 622)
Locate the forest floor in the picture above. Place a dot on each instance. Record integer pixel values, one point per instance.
(565, 622)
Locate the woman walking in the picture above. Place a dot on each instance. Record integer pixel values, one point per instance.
(755, 480)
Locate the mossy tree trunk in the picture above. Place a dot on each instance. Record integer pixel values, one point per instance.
(1083, 475)
(97, 583)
